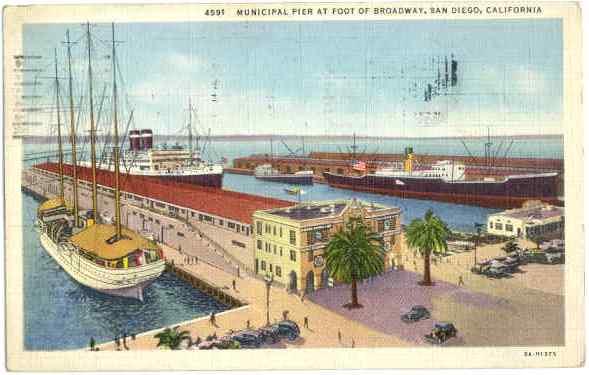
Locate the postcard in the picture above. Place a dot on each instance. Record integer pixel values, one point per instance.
(293, 186)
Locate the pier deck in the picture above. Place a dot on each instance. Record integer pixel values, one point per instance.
(323, 324)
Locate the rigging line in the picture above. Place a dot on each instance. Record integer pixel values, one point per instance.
(508, 148)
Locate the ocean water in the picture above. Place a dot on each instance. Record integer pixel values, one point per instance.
(60, 314)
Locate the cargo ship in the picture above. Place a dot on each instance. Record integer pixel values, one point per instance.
(449, 181)
(267, 173)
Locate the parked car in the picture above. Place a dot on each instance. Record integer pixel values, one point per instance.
(288, 329)
(442, 332)
(496, 273)
(270, 334)
(416, 314)
(554, 256)
(248, 338)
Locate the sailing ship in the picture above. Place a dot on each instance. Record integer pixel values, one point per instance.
(105, 257)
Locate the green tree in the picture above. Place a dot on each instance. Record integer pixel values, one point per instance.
(354, 253)
(428, 235)
(172, 338)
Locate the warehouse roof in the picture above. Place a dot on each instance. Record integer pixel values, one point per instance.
(223, 203)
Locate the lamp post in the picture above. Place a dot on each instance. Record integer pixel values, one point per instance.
(479, 228)
(268, 280)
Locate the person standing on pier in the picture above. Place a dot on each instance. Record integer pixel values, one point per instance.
(213, 319)
(306, 322)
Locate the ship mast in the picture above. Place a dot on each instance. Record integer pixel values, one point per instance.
(118, 235)
(72, 132)
(59, 145)
(92, 129)
(190, 130)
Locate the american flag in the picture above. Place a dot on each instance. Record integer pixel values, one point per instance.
(359, 166)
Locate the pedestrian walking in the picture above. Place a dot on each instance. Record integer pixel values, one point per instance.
(303, 297)
(339, 336)
(238, 271)
(460, 281)
(118, 342)
(306, 322)
(213, 319)
(353, 343)
(92, 344)
(195, 260)
(234, 284)
(125, 341)
(247, 324)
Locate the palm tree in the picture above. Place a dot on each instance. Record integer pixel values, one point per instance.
(172, 338)
(428, 235)
(353, 254)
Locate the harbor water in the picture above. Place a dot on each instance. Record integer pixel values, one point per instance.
(60, 314)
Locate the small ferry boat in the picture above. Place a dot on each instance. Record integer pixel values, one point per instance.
(267, 173)
(105, 257)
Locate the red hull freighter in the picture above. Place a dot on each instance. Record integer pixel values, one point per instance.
(448, 181)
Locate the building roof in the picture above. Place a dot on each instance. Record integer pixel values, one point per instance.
(534, 213)
(95, 240)
(223, 203)
(318, 210)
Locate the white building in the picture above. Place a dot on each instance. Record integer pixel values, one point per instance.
(533, 220)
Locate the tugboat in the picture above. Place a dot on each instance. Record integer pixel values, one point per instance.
(105, 257)
(267, 173)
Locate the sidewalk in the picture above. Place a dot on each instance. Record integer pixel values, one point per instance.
(323, 324)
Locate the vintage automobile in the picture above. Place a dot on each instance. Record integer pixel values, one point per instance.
(288, 329)
(270, 334)
(416, 314)
(248, 338)
(442, 332)
(496, 273)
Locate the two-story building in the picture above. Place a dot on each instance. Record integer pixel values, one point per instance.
(290, 241)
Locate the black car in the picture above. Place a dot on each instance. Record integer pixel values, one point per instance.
(416, 314)
(288, 329)
(270, 334)
(441, 333)
(248, 338)
(496, 273)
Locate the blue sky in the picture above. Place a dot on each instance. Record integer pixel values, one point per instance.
(325, 77)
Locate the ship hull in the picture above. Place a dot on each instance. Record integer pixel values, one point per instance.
(209, 180)
(510, 193)
(289, 179)
(128, 283)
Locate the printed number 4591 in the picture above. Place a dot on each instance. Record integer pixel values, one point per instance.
(215, 12)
